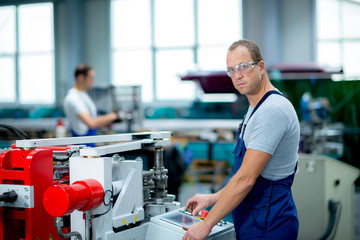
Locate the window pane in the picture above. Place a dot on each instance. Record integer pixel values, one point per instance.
(7, 30)
(7, 79)
(351, 19)
(131, 23)
(329, 54)
(351, 55)
(212, 58)
(37, 79)
(328, 18)
(174, 23)
(36, 27)
(168, 66)
(219, 21)
(134, 68)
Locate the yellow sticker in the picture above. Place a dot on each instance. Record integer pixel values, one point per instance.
(51, 238)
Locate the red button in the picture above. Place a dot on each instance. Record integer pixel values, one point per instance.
(204, 213)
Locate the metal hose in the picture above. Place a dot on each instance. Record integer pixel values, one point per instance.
(59, 223)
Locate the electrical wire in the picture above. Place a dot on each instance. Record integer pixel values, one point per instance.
(18, 132)
(106, 204)
(339, 209)
(335, 213)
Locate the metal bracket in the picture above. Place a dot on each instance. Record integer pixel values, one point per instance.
(25, 195)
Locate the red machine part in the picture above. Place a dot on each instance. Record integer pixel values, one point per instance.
(204, 213)
(30, 168)
(63, 199)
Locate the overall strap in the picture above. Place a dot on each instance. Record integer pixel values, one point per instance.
(263, 100)
(257, 106)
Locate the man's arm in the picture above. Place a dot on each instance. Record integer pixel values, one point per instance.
(96, 122)
(233, 194)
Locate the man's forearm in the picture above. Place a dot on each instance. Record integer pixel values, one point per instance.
(217, 195)
(104, 120)
(228, 199)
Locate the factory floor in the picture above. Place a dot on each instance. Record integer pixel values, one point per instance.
(189, 189)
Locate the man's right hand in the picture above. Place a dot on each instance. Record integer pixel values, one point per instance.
(199, 202)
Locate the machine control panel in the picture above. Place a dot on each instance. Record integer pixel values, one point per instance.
(170, 226)
(189, 221)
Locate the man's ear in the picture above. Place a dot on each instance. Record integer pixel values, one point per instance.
(262, 67)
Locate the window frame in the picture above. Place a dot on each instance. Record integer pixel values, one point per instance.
(16, 56)
(154, 49)
(341, 40)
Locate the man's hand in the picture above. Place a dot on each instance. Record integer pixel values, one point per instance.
(197, 232)
(199, 202)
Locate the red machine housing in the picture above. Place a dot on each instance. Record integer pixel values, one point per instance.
(63, 199)
(30, 168)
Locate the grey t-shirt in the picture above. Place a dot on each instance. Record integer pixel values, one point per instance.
(274, 129)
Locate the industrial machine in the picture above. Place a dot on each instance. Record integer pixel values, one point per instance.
(323, 192)
(78, 192)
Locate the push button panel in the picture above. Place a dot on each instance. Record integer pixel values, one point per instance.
(202, 216)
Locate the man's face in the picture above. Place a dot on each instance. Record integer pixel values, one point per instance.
(246, 83)
(89, 80)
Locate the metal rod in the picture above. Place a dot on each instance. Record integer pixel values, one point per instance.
(159, 158)
(87, 225)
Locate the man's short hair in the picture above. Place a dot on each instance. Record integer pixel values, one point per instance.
(82, 69)
(251, 46)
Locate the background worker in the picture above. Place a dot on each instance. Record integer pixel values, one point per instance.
(80, 109)
(266, 154)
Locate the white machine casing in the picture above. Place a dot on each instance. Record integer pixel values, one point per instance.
(128, 207)
(318, 180)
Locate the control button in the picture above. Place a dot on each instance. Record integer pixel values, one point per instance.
(219, 224)
(186, 212)
(204, 213)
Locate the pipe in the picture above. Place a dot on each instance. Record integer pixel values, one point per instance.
(59, 223)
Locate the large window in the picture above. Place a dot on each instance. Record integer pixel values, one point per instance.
(153, 41)
(27, 54)
(338, 35)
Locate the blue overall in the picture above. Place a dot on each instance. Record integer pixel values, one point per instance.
(268, 211)
(90, 132)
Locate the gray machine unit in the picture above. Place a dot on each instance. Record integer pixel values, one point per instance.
(170, 226)
(319, 181)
